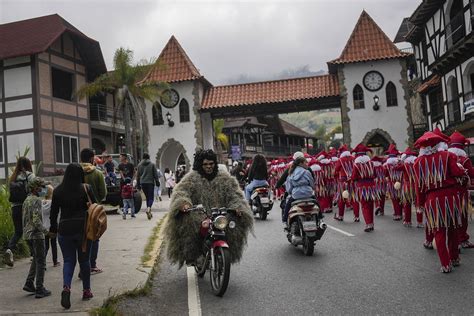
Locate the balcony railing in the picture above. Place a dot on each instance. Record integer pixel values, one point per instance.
(104, 113)
(455, 30)
(454, 112)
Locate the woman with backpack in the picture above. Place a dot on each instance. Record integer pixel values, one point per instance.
(18, 193)
(70, 199)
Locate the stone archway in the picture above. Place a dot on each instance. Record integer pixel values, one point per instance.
(378, 140)
(170, 153)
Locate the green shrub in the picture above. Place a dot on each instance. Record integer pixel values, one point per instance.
(6, 225)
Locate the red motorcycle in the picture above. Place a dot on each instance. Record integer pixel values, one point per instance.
(215, 252)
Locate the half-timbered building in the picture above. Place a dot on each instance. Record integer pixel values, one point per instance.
(441, 33)
(43, 61)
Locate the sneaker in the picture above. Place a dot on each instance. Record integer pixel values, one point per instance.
(66, 298)
(87, 295)
(8, 258)
(160, 198)
(428, 245)
(40, 293)
(29, 287)
(446, 269)
(339, 218)
(148, 213)
(407, 224)
(456, 262)
(124, 216)
(397, 218)
(467, 244)
(133, 216)
(419, 225)
(378, 210)
(356, 219)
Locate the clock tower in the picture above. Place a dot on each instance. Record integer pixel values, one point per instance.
(372, 76)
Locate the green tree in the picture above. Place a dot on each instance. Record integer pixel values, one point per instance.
(130, 94)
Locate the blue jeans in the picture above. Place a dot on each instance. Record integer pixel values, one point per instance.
(71, 247)
(94, 253)
(128, 204)
(149, 191)
(255, 183)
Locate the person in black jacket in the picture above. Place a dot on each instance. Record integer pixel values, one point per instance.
(257, 176)
(70, 200)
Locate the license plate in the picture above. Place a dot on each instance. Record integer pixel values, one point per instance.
(309, 226)
(264, 200)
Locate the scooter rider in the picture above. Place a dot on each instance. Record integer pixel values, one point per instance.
(258, 175)
(299, 184)
(208, 186)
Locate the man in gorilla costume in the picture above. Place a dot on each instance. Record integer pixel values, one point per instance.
(208, 186)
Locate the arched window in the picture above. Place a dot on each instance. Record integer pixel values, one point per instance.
(157, 114)
(358, 95)
(183, 111)
(391, 94)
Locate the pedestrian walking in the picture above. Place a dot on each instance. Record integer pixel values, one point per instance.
(169, 181)
(21, 176)
(49, 241)
(147, 178)
(158, 187)
(127, 198)
(437, 176)
(70, 201)
(96, 180)
(34, 233)
(363, 175)
(394, 175)
(343, 173)
(408, 189)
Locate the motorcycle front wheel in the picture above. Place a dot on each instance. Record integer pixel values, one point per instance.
(221, 274)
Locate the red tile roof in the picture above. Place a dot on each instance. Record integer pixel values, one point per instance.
(368, 42)
(434, 81)
(175, 65)
(34, 36)
(271, 91)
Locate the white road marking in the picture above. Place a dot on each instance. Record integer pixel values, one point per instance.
(194, 304)
(340, 231)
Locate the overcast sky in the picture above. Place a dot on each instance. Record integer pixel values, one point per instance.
(224, 38)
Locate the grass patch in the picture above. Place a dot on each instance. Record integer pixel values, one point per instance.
(110, 306)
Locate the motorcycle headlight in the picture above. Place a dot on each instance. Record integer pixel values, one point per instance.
(220, 222)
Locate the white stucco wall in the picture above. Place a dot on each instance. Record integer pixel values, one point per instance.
(19, 105)
(17, 81)
(184, 133)
(394, 119)
(19, 142)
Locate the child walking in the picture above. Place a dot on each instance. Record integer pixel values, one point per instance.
(34, 233)
(49, 241)
(127, 198)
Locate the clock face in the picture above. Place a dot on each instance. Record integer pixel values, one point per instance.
(373, 80)
(169, 98)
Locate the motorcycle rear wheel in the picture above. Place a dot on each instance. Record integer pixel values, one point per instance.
(221, 275)
(308, 246)
(262, 214)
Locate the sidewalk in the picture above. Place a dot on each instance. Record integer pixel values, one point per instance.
(120, 252)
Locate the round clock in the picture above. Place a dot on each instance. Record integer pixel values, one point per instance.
(169, 98)
(373, 80)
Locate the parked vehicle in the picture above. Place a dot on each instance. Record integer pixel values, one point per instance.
(215, 252)
(262, 202)
(305, 225)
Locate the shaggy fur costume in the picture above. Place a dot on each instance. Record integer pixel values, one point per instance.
(182, 231)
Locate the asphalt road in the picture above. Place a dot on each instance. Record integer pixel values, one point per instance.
(384, 272)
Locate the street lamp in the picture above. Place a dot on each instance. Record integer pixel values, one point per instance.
(376, 106)
(168, 117)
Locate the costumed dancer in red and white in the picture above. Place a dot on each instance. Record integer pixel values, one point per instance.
(363, 175)
(333, 154)
(409, 189)
(394, 175)
(345, 187)
(380, 184)
(318, 177)
(325, 200)
(437, 174)
(457, 142)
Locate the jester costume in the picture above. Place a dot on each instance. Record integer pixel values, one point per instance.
(343, 174)
(326, 192)
(409, 189)
(457, 141)
(394, 174)
(380, 184)
(437, 174)
(363, 175)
